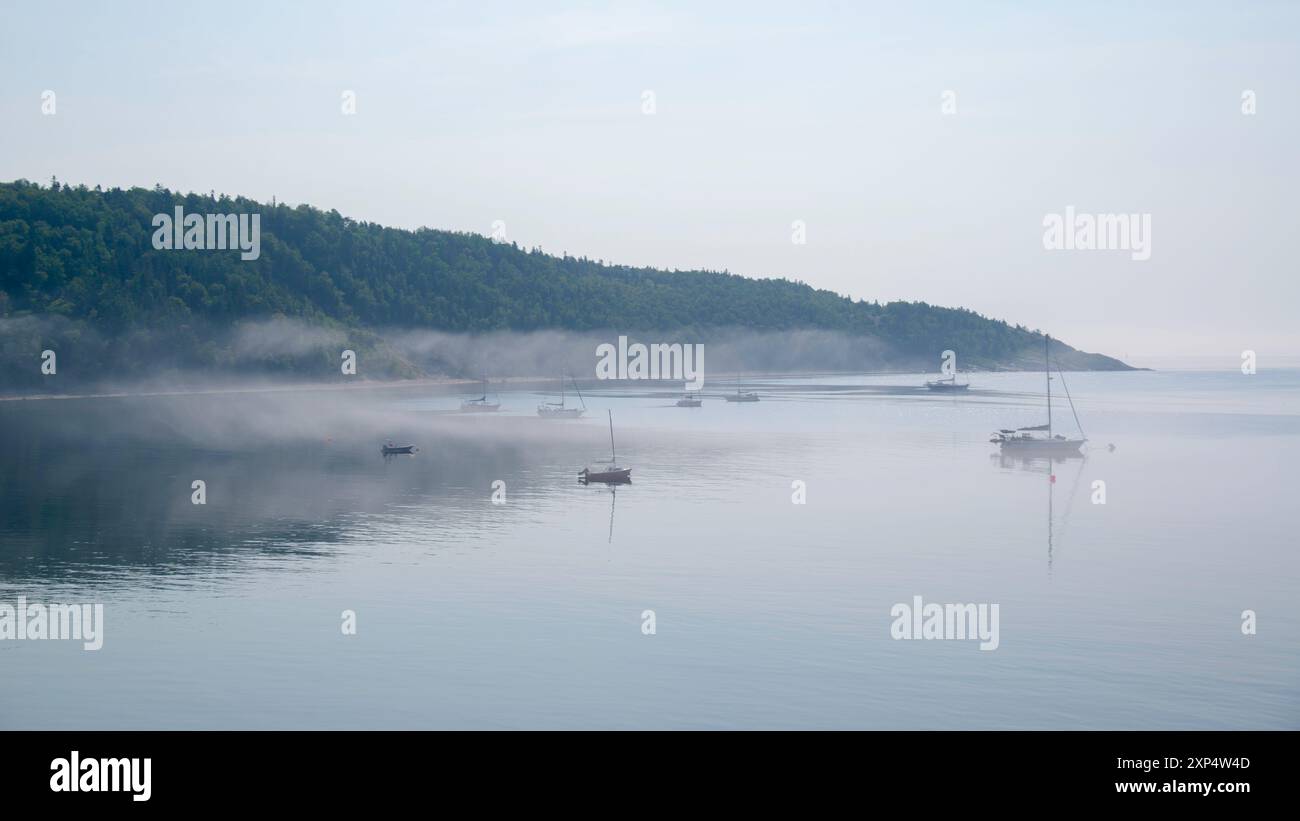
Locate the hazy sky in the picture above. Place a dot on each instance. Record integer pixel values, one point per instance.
(830, 113)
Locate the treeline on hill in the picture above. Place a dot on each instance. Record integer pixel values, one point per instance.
(78, 270)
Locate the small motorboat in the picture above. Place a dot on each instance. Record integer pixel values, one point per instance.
(389, 449)
(688, 401)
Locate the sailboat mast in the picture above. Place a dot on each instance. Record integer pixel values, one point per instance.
(1073, 410)
(612, 457)
(1047, 369)
(579, 390)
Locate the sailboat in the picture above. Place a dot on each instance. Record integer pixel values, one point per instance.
(609, 474)
(480, 404)
(1041, 440)
(558, 410)
(947, 384)
(739, 395)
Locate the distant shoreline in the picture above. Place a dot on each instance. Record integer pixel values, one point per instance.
(293, 387)
(444, 382)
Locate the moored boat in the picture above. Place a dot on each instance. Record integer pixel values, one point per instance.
(558, 410)
(480, 404)
(1041, 440)
(739, 395)
(610, 474)
(947, 384)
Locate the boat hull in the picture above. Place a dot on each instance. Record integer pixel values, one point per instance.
(1042, 447)
(387, 451)
(563, 413)
(609, 477)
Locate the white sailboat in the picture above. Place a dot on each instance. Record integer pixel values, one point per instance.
(739, 395)
(480, 404)
(1042, 440)
(558, 410)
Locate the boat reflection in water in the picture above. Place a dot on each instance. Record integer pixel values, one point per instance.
(1045, 465)
(613, 497)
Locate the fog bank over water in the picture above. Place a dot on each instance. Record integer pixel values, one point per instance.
(284, 352)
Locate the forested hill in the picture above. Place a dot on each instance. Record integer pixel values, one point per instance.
(85, 259)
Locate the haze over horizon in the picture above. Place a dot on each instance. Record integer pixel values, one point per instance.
(469, 114)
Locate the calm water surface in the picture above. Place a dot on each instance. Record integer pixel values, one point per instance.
(768, 614)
